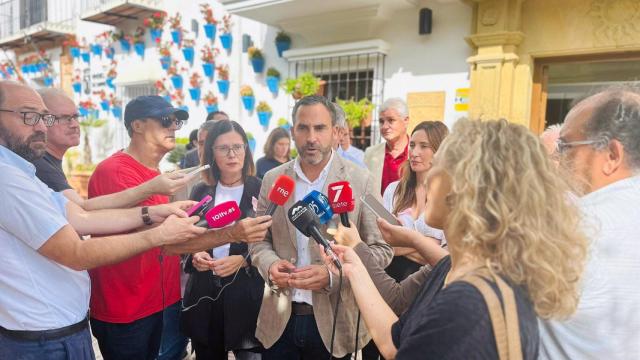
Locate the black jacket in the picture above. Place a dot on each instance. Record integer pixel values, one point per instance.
(241, 300)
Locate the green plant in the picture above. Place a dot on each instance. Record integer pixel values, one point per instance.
(273, 72)
(246, 90)
(293, 153)
(356, 111)
(283, 37)
(263, 107)
(305, 85)
(88, 123)
(177, 153)
(255, 53)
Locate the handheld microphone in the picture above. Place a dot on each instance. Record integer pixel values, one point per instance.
(280, 192)
(320, 205)
(342, 202)
(305, 220)
(221, 215)
(200, 208)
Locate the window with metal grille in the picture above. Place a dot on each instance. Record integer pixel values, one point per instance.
(128, 93)
(348, 77)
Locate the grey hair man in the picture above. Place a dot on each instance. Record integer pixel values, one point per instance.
(599, 145)
(385, 159)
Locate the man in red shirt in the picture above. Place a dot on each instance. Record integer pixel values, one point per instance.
(128, 298)
(385, 159)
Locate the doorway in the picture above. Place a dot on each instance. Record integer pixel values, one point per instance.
(559, 82)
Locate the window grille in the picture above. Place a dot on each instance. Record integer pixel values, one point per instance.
(128, 93)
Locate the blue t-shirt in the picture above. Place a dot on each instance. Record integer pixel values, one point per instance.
(36, 293)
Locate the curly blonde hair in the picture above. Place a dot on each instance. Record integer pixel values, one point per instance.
(511, 208)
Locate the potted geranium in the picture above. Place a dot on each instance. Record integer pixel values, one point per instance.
(196, 83)
(116, 106)
(248, 99)
(176, 78)
(165, 55)
(124, 40)
(162, 90)
(105, 38)
(223, 79)
(257, 59)
(210, 21)
(225, 38)
(47, 79)
(188, 50)
(252, 142)
(138, 41)
(175, 23)
(104, 101)
(264, 114)
(177, 99)
(155, 23)
(208, 57)
(111, 75)
(283, 42)
(305, 85)
(211, 102)
(74, 47)
(87, 107)
(273, 80)
(76, 84)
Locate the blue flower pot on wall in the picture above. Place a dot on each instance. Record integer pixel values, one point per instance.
(105, 105)
(109, 82)
(10, 70)
(33, 68)
(282, 46)
(212, 108)
(177, 82)
(86, 57)
(273, 83)
(226, 39)
(252, 145)
(117, 112)
(156, 35)
(176, 36)
(195, 94)
(139, 49)
(189, 54)
(125, 45)
(25, 69)
(210, 31)
(83, 111)
(165, 62)
(223, 87)
(77, 87)
(184, 107)
(264, 117)
(208, 69)
(257, 64)
(248, 102)
(75, 52)
(167, 98)
(96, 49)
(48, 81)
(110, 52)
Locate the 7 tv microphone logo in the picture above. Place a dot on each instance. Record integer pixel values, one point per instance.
(338, 190)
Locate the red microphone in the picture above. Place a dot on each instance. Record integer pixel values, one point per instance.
(280, 192)
(341, 200)
(221, 215)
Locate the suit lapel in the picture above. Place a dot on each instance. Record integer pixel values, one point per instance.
(292, 230)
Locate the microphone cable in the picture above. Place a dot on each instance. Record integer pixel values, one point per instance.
(335, 313)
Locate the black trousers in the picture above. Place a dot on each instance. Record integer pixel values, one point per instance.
(138, 340)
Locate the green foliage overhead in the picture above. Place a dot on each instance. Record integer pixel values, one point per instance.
(273, 72)
(356, 111)
(305, 85)
(283, 37)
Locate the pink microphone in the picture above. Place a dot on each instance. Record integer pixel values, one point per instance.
(221, 215)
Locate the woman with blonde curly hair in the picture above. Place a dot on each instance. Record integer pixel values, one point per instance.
(513, 235)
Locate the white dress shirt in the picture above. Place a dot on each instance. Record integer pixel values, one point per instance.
(303, 187)
(606, 324)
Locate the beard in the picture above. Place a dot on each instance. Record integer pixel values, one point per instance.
(314, 159)
(29, 149)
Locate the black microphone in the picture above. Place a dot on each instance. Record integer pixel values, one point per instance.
(306, 221)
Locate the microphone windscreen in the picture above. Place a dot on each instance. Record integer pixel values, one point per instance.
(223, 214)
(341, 197)
(320, 205)
(281, 190)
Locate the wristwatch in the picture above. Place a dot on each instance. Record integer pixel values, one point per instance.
(146, 219)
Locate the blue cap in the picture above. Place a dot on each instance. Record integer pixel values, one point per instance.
(153, 106)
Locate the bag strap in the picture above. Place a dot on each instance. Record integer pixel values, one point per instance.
(505, 328)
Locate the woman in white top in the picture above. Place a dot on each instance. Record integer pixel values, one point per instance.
(407, 198)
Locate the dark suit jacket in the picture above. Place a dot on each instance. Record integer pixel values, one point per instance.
(241, 300)
(190, 159)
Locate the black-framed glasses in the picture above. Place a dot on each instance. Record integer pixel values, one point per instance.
(67, 119)
(225, 150)
(167, 121)
(562, 146)
(31, 118)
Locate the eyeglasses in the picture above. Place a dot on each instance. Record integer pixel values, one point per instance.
(562, 146)
(226, 149)
(167, 121)
(67, 119)
(31, 118)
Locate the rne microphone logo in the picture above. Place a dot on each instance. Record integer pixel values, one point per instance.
(282, 192)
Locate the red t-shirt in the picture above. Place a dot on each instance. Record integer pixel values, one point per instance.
(131, 290)
(391, 167)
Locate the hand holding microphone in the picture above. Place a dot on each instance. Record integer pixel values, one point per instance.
(221, 215)
(280, 192)
(305, 220)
